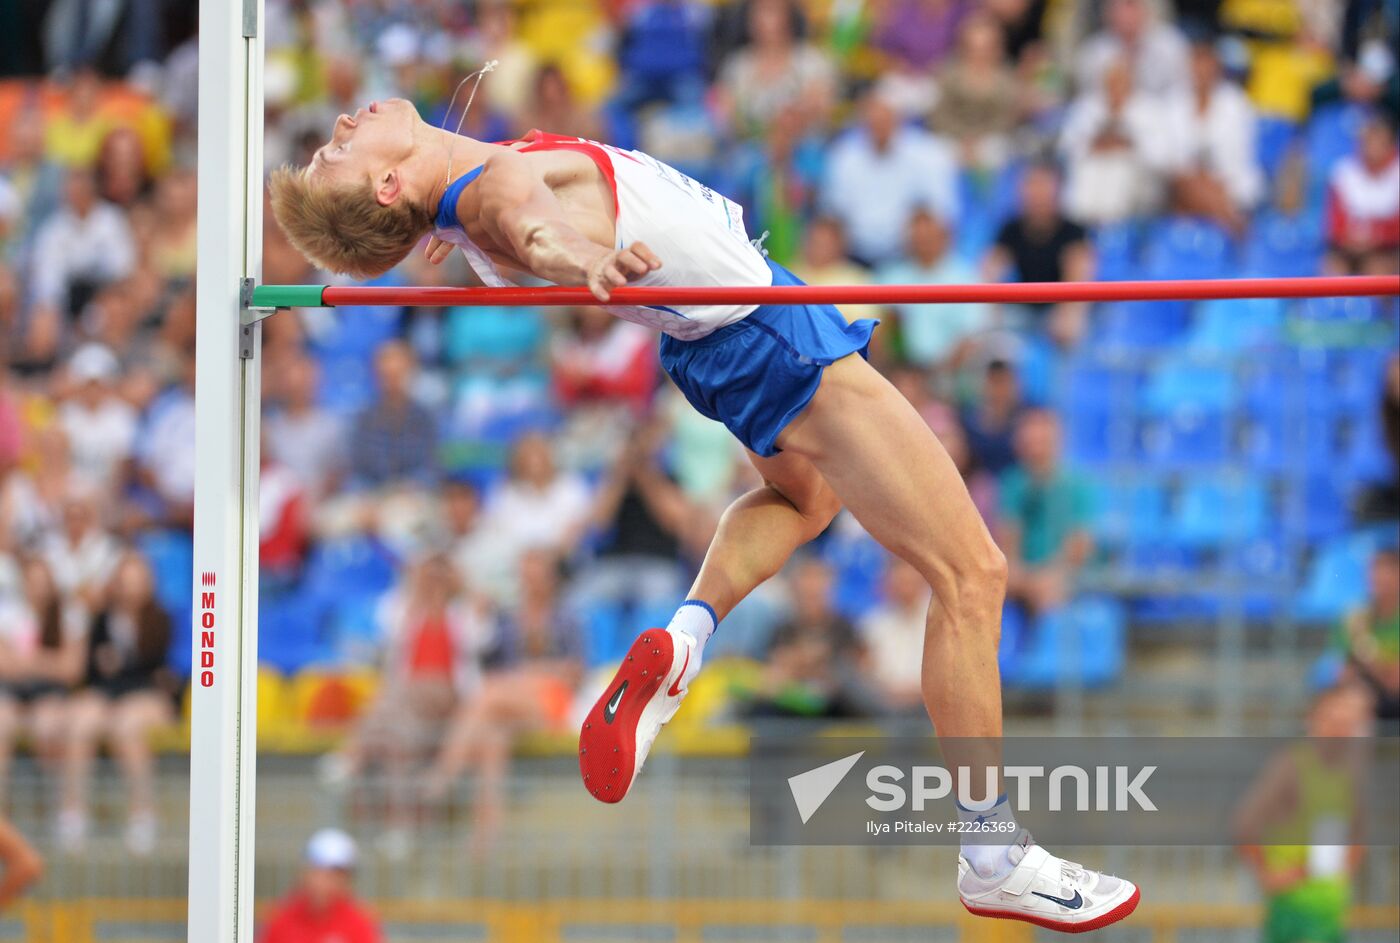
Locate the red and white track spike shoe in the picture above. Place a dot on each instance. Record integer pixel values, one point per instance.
(1047, 891)
(647, 690)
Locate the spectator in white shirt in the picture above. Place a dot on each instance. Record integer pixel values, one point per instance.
(880, 172)
(41, 657)
(1208, 131)
(471, 546)
(894, 637)
(306, 438)
(776, 69)
(1134, 31)
(1363, 204)
(81, 553)
(100, 425)
(1111, 143)
(538, 507)
(83, 246)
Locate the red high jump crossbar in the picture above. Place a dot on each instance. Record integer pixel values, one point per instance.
(284, 296)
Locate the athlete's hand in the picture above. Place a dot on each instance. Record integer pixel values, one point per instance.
(618, 267)
(437, 250)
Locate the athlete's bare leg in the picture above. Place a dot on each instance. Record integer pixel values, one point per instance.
(859, 441)
(880, 457)
(761, 529)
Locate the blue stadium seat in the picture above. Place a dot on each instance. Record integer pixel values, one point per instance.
(291, 633)
(1281, 245)
(859, 565)
(1186, 438)
(1358, 376)
(1092, 385)
(1316, 507)
(1231, 326)
(353, 631)
(171, 556)
(1084, 643)
(1268, 379)
(1254, 578)
(1116, 251)
(1090, 439)
(1097, 401)
(1331, 134)
(1338, 309)
(984, 204)
(348, 567)
(1365, 459)
(354, 330)
(1273, 138)
(1212, 511)
(1266, 569)
(1336, 580)
(1184, 382)
(1139, 325)
(1289, 422)
(347, 382)
(179, 655)
(605, 635)
(1127, 511)
(1149, 557)
(1013, 637)
(1184, 247)
(1266, 444)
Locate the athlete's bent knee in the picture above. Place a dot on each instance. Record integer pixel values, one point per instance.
(971, 587)
(982, 577)
(822, 509)
(818, 506)
(990, 570)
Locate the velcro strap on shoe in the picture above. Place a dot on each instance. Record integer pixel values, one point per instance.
(1019, 881)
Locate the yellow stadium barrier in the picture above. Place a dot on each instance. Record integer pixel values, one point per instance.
(161, 921)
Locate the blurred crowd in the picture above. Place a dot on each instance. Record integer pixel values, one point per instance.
(478, 507)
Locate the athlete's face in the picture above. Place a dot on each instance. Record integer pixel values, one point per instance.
(369, 146)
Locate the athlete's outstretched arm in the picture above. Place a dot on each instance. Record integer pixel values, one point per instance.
(520, 211)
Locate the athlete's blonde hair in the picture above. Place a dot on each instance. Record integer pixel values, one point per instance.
(343, 227)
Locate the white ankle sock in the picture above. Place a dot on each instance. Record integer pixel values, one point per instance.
(987, 852)
(697, 620)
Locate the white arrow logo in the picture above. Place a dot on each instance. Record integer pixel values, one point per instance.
(812, 788)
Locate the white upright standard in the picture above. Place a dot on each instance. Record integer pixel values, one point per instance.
(223, 685)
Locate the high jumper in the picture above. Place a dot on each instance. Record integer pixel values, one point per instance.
(823, 428)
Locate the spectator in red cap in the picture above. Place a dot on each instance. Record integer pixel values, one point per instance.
(322, 907)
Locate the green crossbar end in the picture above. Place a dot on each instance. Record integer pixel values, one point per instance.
(288, 296)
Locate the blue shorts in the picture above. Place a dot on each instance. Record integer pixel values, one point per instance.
(757, 374)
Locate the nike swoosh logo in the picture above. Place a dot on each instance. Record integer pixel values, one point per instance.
(1073, 903)
(675, 689)
(610, 711)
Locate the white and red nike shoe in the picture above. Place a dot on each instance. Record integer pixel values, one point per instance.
(646, 692)
(1047, 891)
